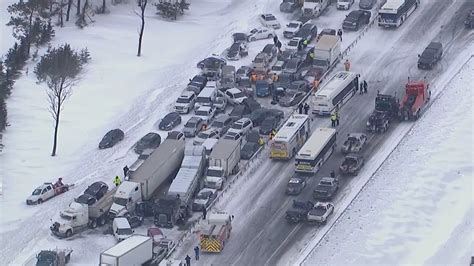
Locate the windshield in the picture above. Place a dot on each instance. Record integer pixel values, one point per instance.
(217, 124)
(204, 195)
(190, 124)
(253, 31)
(237, 126)
(428, 54)
(214, 172)
(293, 25)
(203, 99)
(311, 1)
(270, 18)
(203, 135)
(267, 123)
(276, 68)
(37, 191)
(202, 113)
(65, 216)
(120, 201)
(124, 231)
(325, 184)
(293, 185)
(344, 1)
(258, 60)
(293, 43)
(182, 100)
(239, 95)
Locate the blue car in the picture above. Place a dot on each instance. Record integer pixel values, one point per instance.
(262, 88)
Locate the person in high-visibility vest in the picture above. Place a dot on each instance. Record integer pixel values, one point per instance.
(347, 65)
(117, 181)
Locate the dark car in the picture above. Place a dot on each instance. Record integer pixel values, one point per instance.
(288, 6)
(175, 135)
(237, 50)
(134, 220)
(292, 66)
(276, 113)
(251, 104)
(326, 189)
(97, 189)
(149, 141)
(111, 138)
(242, 72)
(240, 37)
(248, 150)
(291, 98)
(86, 199)
(351, 164)
(286, 55)
(253, 136)
(238, 112)
(430, 56)
(304, 53)
(356, 19)
(269, 123)
(211, 61)
(295, 185)
(258, 116)
(367, 4)
(314, 73)
(469, 22)
(299, 85)
(271, 50)
(298, 212)
(308, 32)
(170, 121)
(198, 81)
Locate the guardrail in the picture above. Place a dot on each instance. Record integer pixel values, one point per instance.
(248, 168)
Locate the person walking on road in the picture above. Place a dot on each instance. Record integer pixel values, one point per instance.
(125, 170)
(339, 33)
(300, 108)
(333, 120)
(306, 108)
(361, 87)
(333, 174)
(275, 40)
(196, 252)
(365, 86)
(337, 118)
(117, 181)
(347, 65)
(188, 260)
(204, 213)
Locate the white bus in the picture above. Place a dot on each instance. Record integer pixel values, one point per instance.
(290, 137)
(394, 12)
(316, 150)
(335, 92)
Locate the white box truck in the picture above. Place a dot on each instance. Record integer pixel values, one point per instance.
(223, 161)
(133, 251)
(326, 51)
(160, 166)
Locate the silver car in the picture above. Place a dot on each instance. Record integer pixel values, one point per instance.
(193, 126)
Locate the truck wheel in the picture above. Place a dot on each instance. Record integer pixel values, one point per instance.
(68, 233)
(101, 221)
(93, 224)
(40, 201)
(324, 222)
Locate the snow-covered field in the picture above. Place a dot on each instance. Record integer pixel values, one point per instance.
(418, 208)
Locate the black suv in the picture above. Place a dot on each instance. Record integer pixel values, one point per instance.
(308, 31)
(430, 56)
(356, 19)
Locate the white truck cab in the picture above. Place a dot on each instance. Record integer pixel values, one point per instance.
(75, 217)
(215, 177)
(121, 228)
(125, 198)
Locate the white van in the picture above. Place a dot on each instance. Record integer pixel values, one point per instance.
(206, 97)
(121, 228)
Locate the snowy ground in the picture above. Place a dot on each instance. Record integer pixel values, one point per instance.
(418, 208)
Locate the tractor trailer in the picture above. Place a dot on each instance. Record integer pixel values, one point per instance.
(135, 250)
(159, 167)
(223, 161)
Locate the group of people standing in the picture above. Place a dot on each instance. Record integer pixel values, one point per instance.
(304, 107)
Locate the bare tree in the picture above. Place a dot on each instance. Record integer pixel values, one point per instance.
(142, 4)
(59, 68)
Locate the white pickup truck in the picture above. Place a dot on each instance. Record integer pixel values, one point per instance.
(320, 212)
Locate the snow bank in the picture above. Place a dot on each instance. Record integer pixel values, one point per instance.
(418, 208)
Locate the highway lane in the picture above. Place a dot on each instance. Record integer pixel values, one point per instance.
(262, 236)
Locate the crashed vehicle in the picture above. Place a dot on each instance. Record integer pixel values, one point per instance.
(298, 212)
(326, 189)
(320, 212)
(351, 164)
(354, 143)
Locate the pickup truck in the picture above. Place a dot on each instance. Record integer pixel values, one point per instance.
(45, 192)
(320, 212)
(351, 164)
(298, 212)
(354, 143)
(326, 189)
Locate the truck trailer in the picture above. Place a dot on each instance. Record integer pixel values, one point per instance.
(177, 204)
(223, 161)
(159, 167)
(135, 250)
(326, 51)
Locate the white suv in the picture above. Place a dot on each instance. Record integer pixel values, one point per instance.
(235, 96)
(185, 103)
(206, 113)
(243, 125)
(269, 21)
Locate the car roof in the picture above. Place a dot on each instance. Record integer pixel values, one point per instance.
(122, 222)
(222, 117)
(187, 94)
(233, 90)
(195, 119)
(207, 190)
(327, 179)
(242, 120)
(205, 108)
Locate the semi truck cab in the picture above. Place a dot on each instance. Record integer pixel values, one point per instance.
(125, 199)
(215, 177)
(74, 217)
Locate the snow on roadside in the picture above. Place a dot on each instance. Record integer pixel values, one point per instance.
(418, 207)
